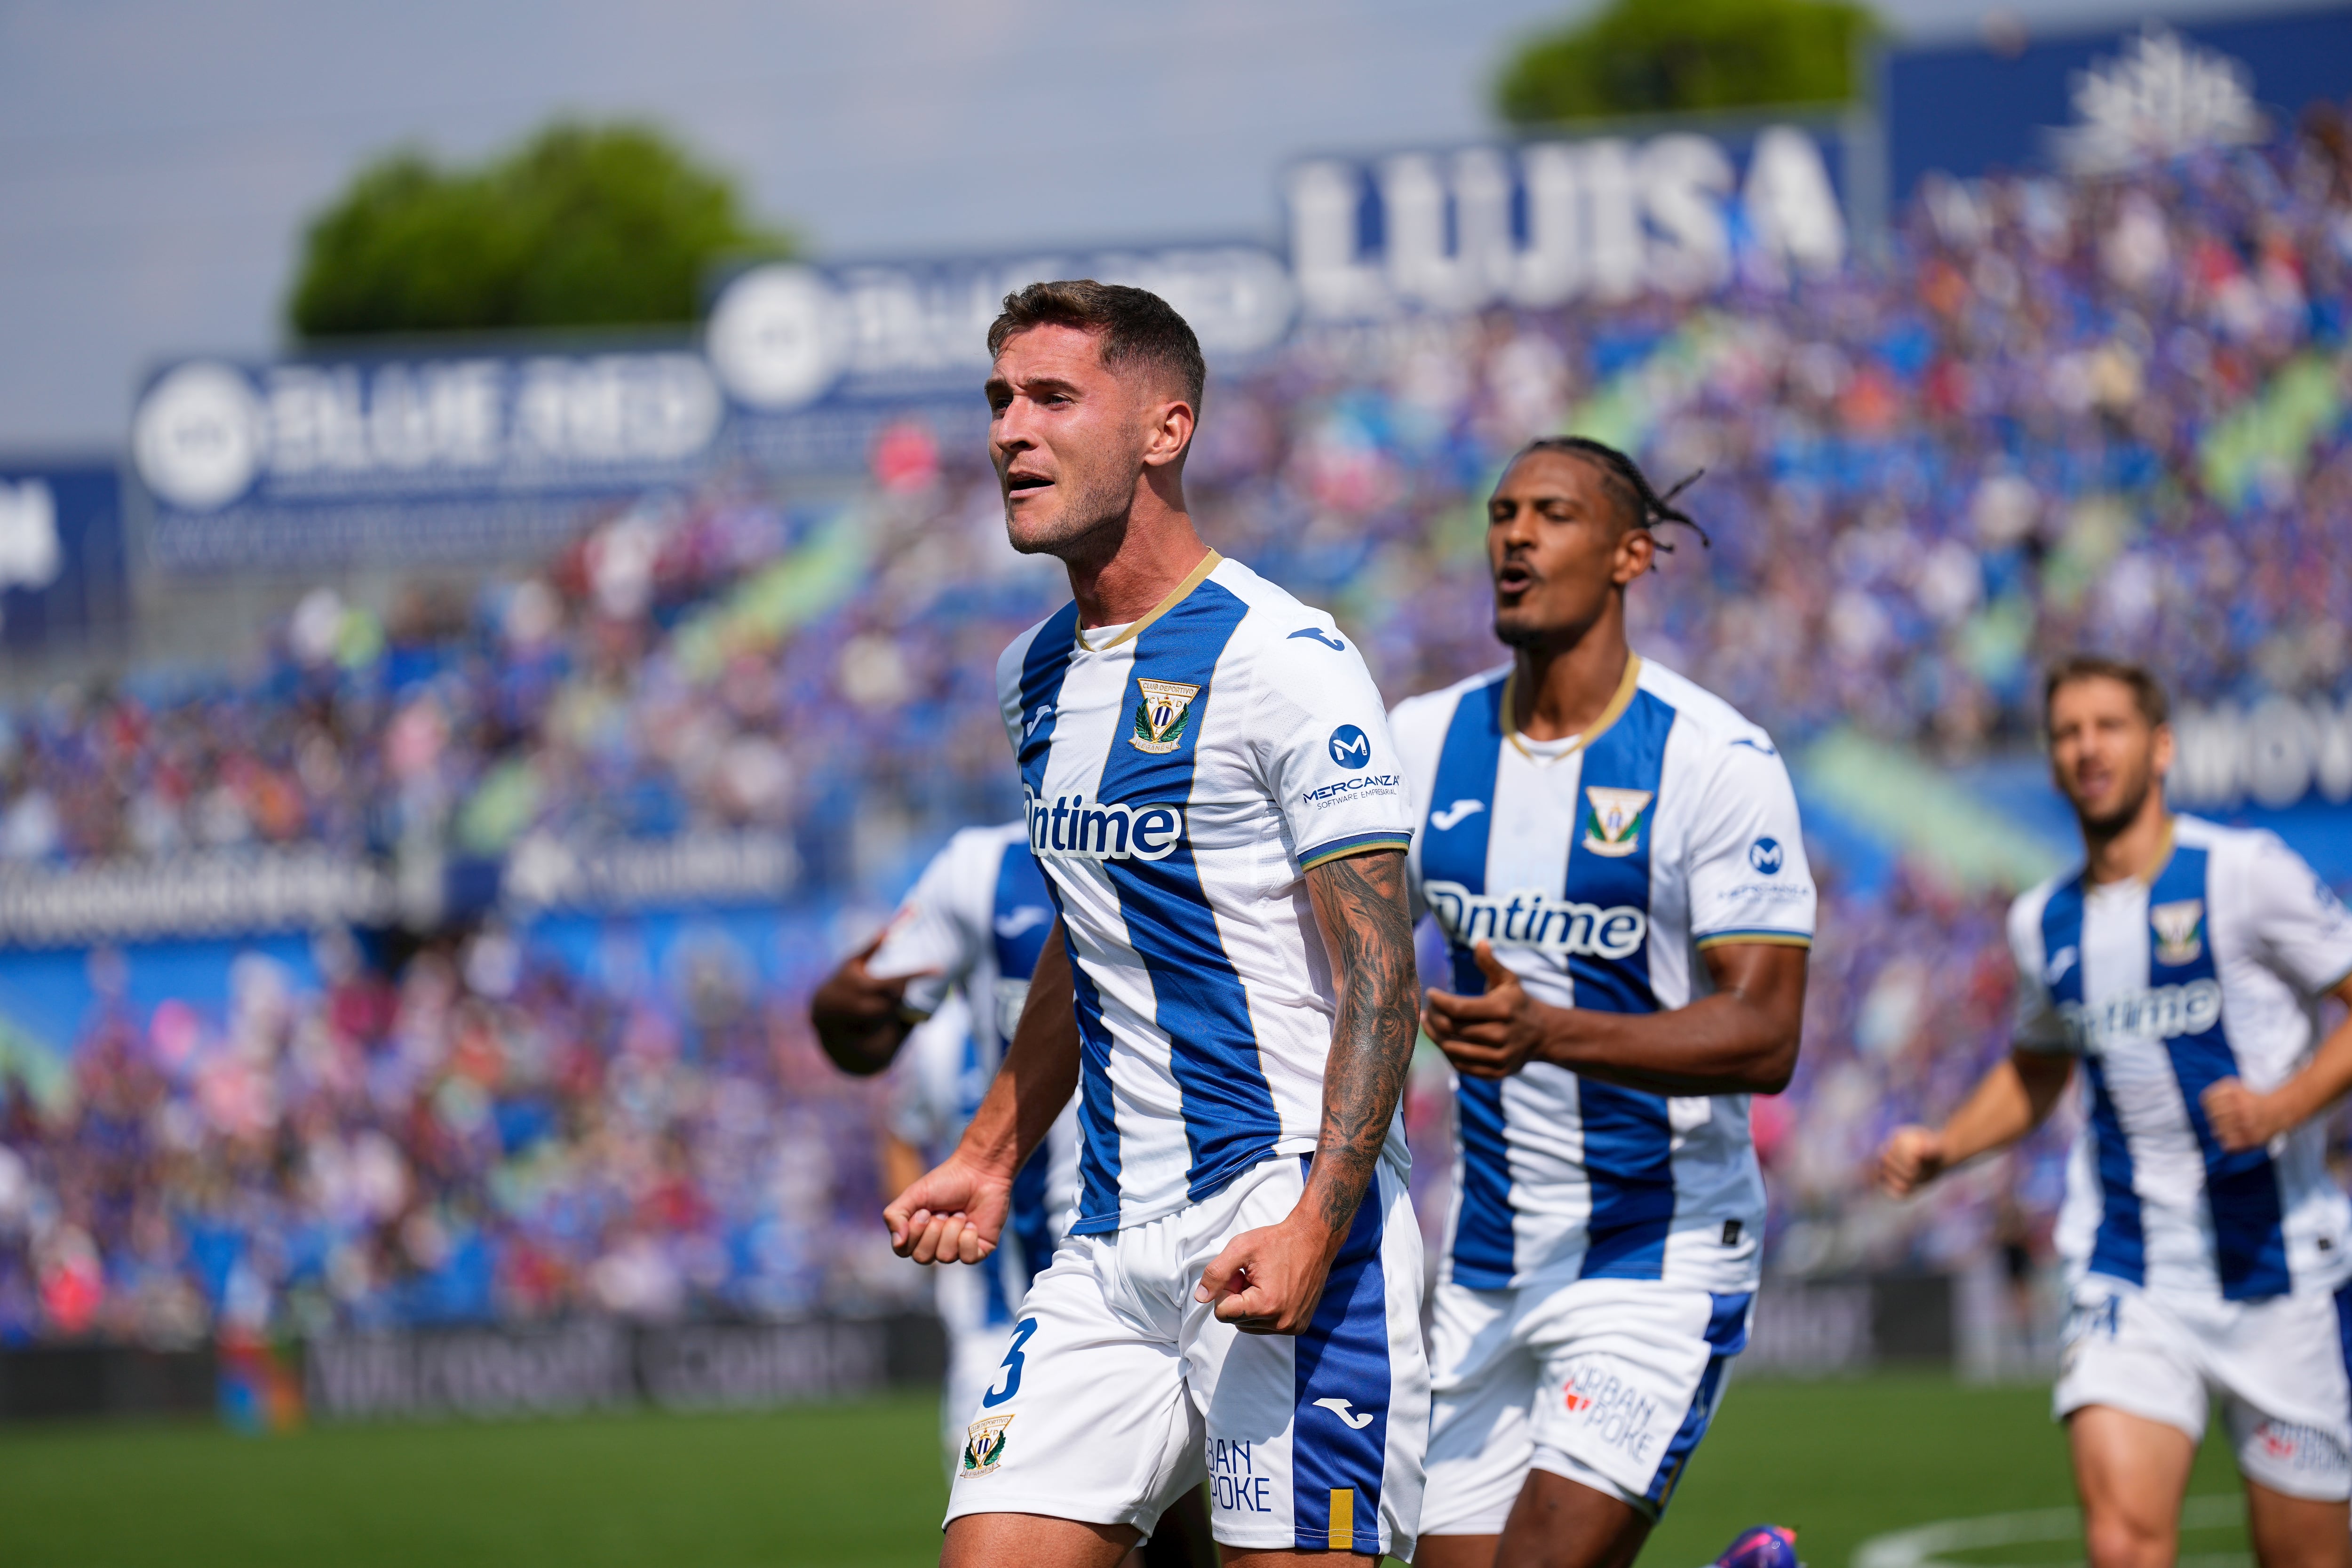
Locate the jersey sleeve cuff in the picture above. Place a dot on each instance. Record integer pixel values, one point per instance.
(1760, 935)
(1354, 843)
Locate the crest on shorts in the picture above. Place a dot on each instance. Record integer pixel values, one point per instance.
(983, 1446)
(1163, 716)
(1614, 828)
(2179, 930)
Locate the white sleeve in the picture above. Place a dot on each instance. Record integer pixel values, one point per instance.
(2300, 924)
(1748, 877)
(2039, 1026)
(934, 936)
(1323, 739)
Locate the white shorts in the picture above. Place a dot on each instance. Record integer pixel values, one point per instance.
(977, 1308)
(1611, 1382)
(1120, 1393)
(2278, 1366)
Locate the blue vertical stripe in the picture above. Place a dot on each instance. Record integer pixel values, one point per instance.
(1230, 1122)
(1043, 669)
(1033, 1220)
(1726, 1336)
(1344, 1354)
(2241, 1189)
(1484, 1254)
(1021, 884)
(2119, 1251)
(2344, 1335)
(1628, 1143)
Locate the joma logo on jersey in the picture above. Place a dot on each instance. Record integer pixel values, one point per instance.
(1526, 918)
(2165, 1012)
(1614, 828)
(2177, 926)
(1162, 715)
(1073, 830)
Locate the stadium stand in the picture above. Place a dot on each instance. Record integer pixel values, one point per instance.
(2106, 412)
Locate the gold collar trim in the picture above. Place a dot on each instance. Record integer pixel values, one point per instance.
(1176, 595)
(1592, 731)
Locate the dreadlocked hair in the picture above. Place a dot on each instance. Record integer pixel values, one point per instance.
(1628, 486)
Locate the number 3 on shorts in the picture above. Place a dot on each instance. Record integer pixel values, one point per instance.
(1012, 1364)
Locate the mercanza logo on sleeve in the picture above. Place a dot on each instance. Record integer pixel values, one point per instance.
(1072, 827)
(1527, 918)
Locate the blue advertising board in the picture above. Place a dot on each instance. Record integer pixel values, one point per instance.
(62, 579)
(818, 361)
(409, 460)
(2086, 99)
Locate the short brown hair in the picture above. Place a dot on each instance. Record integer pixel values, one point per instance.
(2147, 692)
(1135, 325)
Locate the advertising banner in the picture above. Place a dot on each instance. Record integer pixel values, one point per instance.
(62, 577)
(2089, 100)
(409, 460)
(1547, 223)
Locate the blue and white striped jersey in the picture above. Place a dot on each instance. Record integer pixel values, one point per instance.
(972, 927)
(1181, 776)
(2215, 970)
(1598, 869)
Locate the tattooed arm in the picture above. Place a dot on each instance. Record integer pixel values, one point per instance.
(1267, 1282)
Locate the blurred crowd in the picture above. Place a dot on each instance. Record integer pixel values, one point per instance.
(2104, 412)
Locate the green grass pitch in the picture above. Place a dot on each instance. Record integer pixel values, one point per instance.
(857, 1486)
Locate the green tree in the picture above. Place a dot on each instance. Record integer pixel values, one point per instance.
(580, 226)
(1650, 57)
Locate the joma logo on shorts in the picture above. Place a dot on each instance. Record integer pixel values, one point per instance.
(1527, 918)
(2164, 1013)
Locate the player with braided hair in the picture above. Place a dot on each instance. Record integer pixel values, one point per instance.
(1614, 860)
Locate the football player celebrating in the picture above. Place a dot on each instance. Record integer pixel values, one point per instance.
(973, 923)
(1213, 797)
(1613, 857)
(2205, 1245)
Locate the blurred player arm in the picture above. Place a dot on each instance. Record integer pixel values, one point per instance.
(2305, 937)
(1267, 1282)
(2247, 1118)
(2008, 1102)
(861, 1020)
(957, 1212)
(1741, 1040)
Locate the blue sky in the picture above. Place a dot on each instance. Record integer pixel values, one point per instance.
(158, 157)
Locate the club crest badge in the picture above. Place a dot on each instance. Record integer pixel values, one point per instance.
(983, 1446)
(2179, 931)
(1614, 828)
(1163, 715)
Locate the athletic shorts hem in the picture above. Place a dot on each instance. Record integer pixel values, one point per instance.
(1567, 1467)
(2065, 1402)
(2315, 1489)
(1142, 1519)
(1303, 1541)
(1485, 1523)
